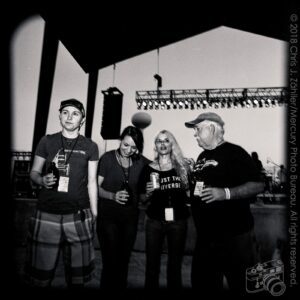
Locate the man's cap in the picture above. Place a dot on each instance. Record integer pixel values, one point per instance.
(210, 116)
(72, 102)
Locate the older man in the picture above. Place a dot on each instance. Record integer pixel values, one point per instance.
(224, 182)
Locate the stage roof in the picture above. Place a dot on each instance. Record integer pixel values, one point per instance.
(99, 35)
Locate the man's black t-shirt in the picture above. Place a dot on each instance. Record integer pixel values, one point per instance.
(228, 165)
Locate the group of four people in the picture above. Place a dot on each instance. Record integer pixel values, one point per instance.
(105, 193)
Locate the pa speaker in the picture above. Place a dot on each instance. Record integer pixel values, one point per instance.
(112, 114)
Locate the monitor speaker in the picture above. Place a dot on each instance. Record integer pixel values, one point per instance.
(112, 114)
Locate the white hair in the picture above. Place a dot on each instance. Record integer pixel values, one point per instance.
(219, 129)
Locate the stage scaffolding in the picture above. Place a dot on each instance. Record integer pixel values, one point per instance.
(212, 98)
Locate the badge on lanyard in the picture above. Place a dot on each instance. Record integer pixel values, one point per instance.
(198, 188)
(169, 214)
(63, 184)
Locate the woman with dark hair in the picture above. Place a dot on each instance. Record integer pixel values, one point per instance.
(118, 175)
(167, 211)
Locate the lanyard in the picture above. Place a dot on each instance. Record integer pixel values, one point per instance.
(126, 174)
(62, 143)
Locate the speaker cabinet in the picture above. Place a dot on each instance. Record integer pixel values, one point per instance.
(21, 178)
(112, 114)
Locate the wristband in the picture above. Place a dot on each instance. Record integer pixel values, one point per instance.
(227, 193)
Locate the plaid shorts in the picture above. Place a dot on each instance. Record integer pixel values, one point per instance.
(50, 233)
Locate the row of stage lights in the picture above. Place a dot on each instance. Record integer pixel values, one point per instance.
(202, 104)
(209, 99)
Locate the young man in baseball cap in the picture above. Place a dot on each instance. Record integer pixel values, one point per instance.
(65, 167)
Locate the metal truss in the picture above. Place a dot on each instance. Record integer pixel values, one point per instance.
(208, 98)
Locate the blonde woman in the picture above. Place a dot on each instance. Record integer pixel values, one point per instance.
(167, 211)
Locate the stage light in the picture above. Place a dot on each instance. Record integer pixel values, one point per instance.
(268, 102)
(248, 103)
(223, 103)
(186, 104)
(229, 103)
(204, 104)
(145, 104)
(150, 104)
(139, 104)
(168, 104)
(174, 104)
(255, 103)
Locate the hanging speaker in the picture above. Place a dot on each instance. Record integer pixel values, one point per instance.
(112, 114)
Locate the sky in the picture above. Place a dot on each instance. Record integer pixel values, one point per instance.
(219, 58)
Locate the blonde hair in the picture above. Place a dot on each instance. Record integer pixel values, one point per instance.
(177, 159)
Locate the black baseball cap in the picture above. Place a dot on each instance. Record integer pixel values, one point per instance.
(72, 102)
(210, 116)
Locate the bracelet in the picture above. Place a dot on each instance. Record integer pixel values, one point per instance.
(227, 193)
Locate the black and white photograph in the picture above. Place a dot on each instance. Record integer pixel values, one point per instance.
(151, 151)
